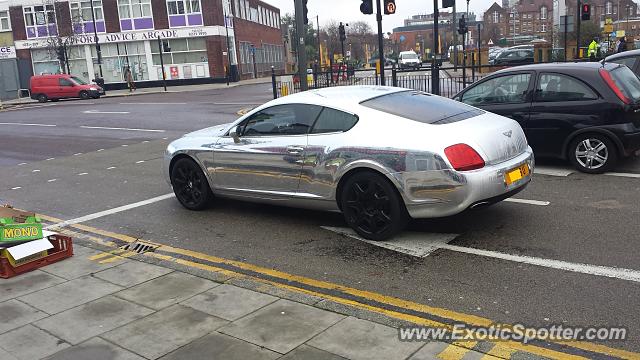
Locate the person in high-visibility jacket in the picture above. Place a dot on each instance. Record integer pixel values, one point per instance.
(593, 50)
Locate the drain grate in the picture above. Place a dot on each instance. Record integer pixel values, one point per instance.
(140, 247)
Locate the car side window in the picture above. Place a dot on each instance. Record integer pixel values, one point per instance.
(291, 119)
(501, 89)
(557, 87)
(64, 82)
(628, 61)
(331, 120)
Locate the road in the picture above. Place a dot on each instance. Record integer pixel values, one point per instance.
(74, 158)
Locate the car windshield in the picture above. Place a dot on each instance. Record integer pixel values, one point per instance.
(627, 82)
(422, 107)
(78, 81)
(409, 56)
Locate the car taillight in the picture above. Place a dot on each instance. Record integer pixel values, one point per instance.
(612, 84)
(463, 157)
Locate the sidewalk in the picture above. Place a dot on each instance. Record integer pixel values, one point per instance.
(156, 90)
(99, 306)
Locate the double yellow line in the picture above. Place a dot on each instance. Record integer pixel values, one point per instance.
(365, 300)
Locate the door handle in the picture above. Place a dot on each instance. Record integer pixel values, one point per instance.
(295, 149)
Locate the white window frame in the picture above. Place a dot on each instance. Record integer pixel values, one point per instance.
(7, 18)
(80, 9)
(608, 6)
(34, 16)
(130, 5)
(496, 17)
(543, 27)
(543, 12)
(187, 7)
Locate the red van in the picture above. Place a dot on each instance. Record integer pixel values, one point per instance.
(60, 86)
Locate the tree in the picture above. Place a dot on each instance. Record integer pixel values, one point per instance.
(589, 30)
(310, 37)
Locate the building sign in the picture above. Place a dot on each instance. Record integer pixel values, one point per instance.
(131, 36)
(7, 52)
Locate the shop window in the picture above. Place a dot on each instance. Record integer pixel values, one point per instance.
(40, 21)
(135, 15)
(81, 18)
(5, 24)
(184, 13)
(183, 51)
(117, 57)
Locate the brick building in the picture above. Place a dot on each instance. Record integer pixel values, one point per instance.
(196, 34)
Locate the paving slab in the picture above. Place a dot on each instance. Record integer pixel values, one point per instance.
(167, 290)
(95, 349)
(429, 351)
(26, 283)
(14, 314)
(86, 321)
(220, 346)
(229, 302)
(361, 339)
(305, 352)
(282, 326)
(31, 343)
(4, 355)
(80, 265)
(70, 294)
(132, 273)
(164, 331)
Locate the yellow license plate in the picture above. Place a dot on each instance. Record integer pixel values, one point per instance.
(516, 174)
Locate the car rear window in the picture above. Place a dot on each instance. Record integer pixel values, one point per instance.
(422, 107)
(627, 82)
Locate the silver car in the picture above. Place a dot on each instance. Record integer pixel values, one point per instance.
(381, 155)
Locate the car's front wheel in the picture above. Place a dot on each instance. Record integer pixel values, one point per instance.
(190, 185)
(42, 98)
(372, 206)
(84, 95)
(592, 153)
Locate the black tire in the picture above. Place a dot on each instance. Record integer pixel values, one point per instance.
(96, 96)
(42, 98)
(592, 153)
(190, 185)
(372, 206)
(84, 95)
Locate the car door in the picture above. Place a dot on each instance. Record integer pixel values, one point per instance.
(507, 95)
(65, 88)
(266, 158)
(561, 105)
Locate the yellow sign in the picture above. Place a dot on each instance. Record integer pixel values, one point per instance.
(608, 28)
(620, 33)
(28, 231)
(608, 21)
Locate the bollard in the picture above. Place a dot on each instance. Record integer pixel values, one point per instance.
(273, 83)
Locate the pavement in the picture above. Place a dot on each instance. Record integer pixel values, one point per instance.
(108, 304)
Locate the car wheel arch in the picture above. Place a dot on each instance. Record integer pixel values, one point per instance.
(179, 156)
(359, 169)
(610, 135)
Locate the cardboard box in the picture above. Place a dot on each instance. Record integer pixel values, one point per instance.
(16, 226)
(21, 254)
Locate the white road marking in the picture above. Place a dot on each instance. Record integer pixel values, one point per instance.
(139, 162)
(528, 202)
(629, 175)
(83, 174)
(16, 188)
(175, 103)
(552, 171)
(105, 112)
(234, 103)
(165, 138)
(109, 212)
(35, 170)
(111, 167)
(410, 243)
(76, 154)
(25, 124)
(22, 164)
(124, 145)
(100, 150)
(119, 128)
(146, 141)
(434, 242)
(51, 180)
(49, 159)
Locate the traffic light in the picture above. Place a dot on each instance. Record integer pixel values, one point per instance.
(366, 7)
(343, 34)
(389, 7)
(448, 3)
(586, 11)
(305, 12)
(462, 26)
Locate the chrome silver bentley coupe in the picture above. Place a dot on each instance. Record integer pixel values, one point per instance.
(380, 155)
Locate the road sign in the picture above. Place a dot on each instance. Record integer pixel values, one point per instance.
(608, 28)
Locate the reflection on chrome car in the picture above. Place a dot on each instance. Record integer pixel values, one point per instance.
(381, 155)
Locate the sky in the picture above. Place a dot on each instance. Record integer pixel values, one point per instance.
(349, 10)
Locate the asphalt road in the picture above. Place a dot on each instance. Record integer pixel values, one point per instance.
(81, 166)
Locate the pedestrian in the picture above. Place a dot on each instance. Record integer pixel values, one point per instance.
(622, 45)
(128, 77)
(593, 50)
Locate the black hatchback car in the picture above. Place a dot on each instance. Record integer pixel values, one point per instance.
(588, 113)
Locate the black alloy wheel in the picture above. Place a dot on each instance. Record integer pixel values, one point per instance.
(84, 95)
(372, 206)
(190, 185)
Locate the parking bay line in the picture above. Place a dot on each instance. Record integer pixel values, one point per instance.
(119, 128)
(629, 175)
(27, 124)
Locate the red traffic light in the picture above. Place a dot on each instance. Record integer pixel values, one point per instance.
(389, 7)
(586, 12)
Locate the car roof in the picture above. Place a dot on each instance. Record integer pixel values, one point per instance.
(554, 67)
(623, 54)
(343, 95)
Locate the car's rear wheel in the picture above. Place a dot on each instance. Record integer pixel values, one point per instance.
(372, 206)
(42, 98)
(592, 153)
(190, 185)
(84, 95)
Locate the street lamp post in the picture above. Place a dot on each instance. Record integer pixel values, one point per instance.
(99, 81)
(226, 27)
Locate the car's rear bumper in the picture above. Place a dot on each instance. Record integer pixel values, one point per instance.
(437, 193)
(631, 143)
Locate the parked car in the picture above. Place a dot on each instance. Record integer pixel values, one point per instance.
(514, 57)
(372, 152)
(61, 86)
(629, 58)
(409, 59)
(587, 113)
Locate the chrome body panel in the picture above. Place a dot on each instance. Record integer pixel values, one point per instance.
(409, 153)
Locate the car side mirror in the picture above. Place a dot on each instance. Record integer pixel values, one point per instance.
(234, 133)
